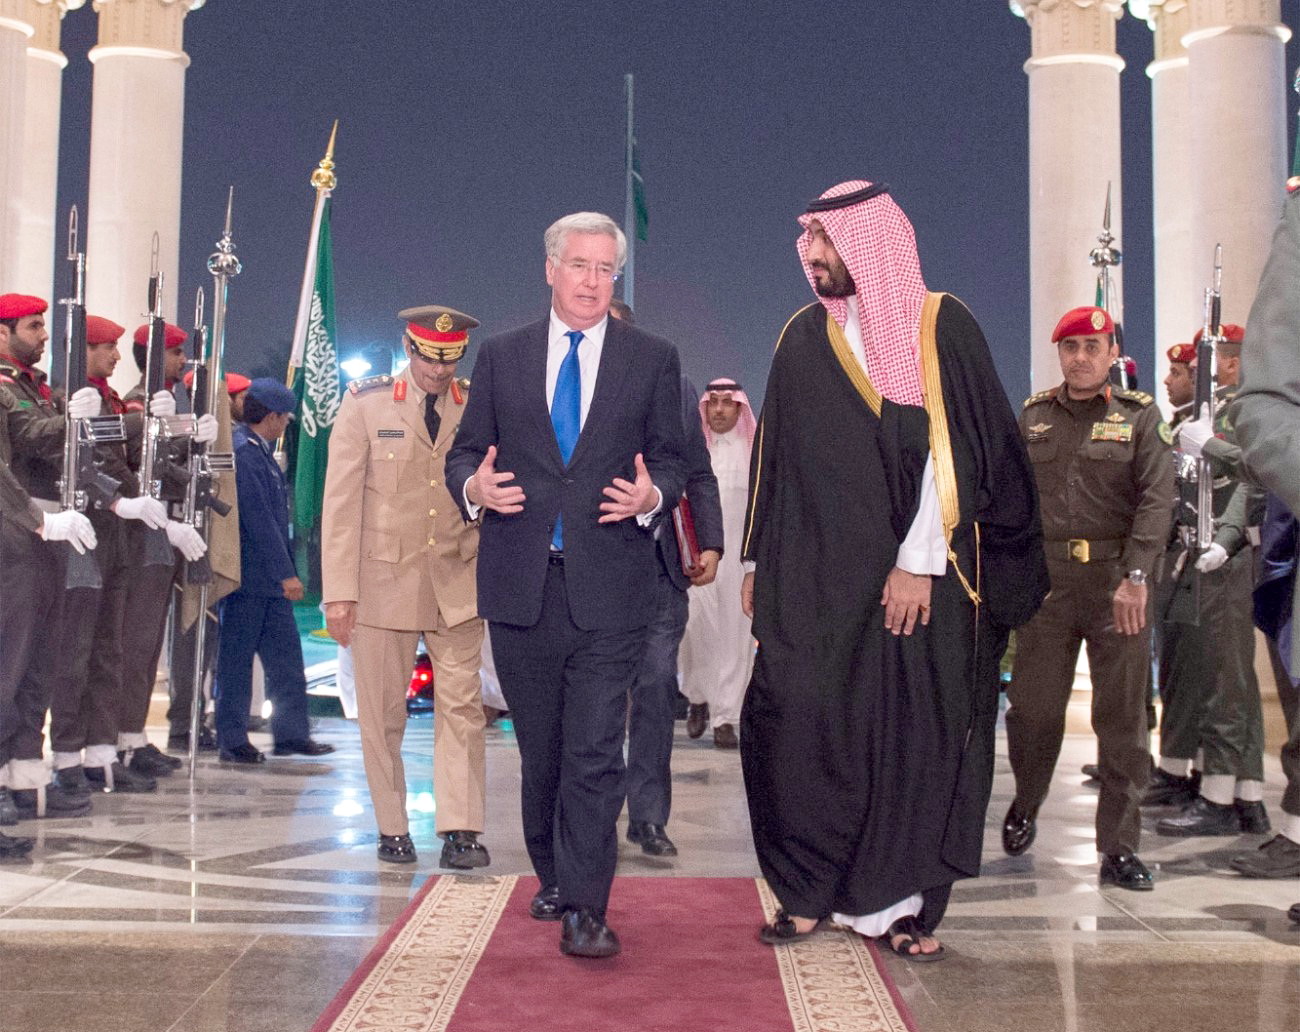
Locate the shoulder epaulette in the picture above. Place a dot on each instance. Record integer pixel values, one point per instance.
(1046, 395)
(1140, 397)
(369, 383)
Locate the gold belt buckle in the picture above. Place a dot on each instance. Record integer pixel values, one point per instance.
(1079, 550)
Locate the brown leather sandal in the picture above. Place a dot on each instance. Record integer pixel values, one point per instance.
(783, 930)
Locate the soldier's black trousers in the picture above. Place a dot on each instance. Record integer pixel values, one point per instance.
(30, 597)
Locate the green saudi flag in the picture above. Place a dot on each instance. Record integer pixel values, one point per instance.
(315, 370)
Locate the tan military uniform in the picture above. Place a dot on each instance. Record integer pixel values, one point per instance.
(394, 542)
(1105, 480)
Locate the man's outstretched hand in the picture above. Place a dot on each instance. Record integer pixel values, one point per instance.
(629, 498)
(493, 490)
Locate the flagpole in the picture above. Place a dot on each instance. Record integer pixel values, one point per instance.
(629, 208)
(324, 180)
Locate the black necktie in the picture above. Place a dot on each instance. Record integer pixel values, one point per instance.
(431, 418)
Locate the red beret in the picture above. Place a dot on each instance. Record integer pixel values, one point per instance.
(234, 382)
(102, 331)
(1088, 321)
(1184, 353)
(1232, 333)
(18, 306)
(173, 336)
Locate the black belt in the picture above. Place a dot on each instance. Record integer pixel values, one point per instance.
(1081, 550)
(555, 558)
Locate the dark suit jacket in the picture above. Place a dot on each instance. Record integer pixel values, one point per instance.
(609, 568)
(701, 492)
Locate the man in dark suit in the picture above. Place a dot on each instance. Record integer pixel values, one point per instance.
(583, 416)
(651, 715)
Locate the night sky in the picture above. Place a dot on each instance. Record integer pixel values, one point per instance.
(466, 128)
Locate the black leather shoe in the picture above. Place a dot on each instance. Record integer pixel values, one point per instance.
(57, 803)
(123, 779)
(1091, 771)
(396, 849)
(724, 737)
(652, 838)
(1279, 857)
(584, 933)
(545, 906)
(1018, 832)
(245, 754)
(1294, 913)
(302, 747)
(73, 781)
(462, 850)
(697, 719)
(158, 756)
(142, 762)
(10, 846)
(1126, 871)
(179, 741)
(1165, 789)
(1202, 817)
(8, 811)
(1252, 817)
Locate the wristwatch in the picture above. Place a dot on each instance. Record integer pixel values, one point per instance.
(1138, 577)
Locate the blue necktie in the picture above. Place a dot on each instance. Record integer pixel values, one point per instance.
(566, 414)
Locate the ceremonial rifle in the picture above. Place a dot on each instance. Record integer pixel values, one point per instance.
(157, 430)
(205, 465)
(224, 266)
(1202, 528)
(82, 484)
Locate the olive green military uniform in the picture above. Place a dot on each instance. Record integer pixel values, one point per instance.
(1105, 481)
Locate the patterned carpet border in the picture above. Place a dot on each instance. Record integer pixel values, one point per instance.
(417, 971)
(835, 981)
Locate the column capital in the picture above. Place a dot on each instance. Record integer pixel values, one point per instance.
(45, 17)
(15, 17)
(1169, 21)
(1076, 31)
(1207, 18)
(142, 27)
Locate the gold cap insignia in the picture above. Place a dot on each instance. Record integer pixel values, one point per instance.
(444, 323)
(1098, 319)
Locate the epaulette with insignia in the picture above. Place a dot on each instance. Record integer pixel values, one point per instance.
(1046, 395)
(458, 389)
(369, 383)
(1141, 397)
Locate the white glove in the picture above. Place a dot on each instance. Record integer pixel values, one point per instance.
(205, 430)
(1193, 434)
(71, 527)
(1212, 558)
(85, 403)
(186, 540)
(162, 404)
(150, 511)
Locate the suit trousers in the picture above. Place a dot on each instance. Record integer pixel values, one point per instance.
(83, 710)
(568, 693)
(652, 714)
(382, 661)
(31, 591)
(148, 597)
(1078, 610)
(262, 626)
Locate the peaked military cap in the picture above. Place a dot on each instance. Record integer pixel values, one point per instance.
(439, 333)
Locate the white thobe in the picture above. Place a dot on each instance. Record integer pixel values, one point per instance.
(717, 651)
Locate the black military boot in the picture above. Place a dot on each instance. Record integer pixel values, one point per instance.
(462, 850)
(1201, 818)
(1253, 817)
(8, 811)
(72, 781)
(119, 778)
(55, 804)
(14, 847)
(1165, 789)
(147, 760)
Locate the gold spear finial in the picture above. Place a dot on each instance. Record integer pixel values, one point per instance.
(324, 178)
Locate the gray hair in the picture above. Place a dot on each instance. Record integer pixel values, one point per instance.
(584, 222)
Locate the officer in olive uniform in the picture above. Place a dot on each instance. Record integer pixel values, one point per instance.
(1208, 665)
(1105, 483)
(398, 560)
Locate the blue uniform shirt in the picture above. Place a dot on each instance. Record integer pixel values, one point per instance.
(264, 554)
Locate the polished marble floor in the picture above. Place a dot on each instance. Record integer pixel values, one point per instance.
(243, 901)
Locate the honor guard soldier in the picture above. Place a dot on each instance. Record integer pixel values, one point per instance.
(1105, 480)
(397, 560)
(1209, 631)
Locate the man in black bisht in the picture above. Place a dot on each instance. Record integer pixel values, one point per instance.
(894, 526)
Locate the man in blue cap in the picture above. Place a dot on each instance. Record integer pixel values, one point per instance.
(258, 618)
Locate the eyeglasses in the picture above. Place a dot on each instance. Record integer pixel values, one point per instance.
(581, 268)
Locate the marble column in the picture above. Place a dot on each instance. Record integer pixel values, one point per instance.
(1074, 152)
(1177, 290)
(36, 270)
(1237, 97)
(136, 131)
(15, 31)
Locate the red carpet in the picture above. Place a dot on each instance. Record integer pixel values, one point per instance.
(466, 957)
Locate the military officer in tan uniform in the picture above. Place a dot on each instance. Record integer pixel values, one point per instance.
(398, 561)
(1105, 479)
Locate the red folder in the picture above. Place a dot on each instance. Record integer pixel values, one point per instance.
(688, 546)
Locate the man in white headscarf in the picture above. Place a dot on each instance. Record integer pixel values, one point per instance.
(717, 652)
